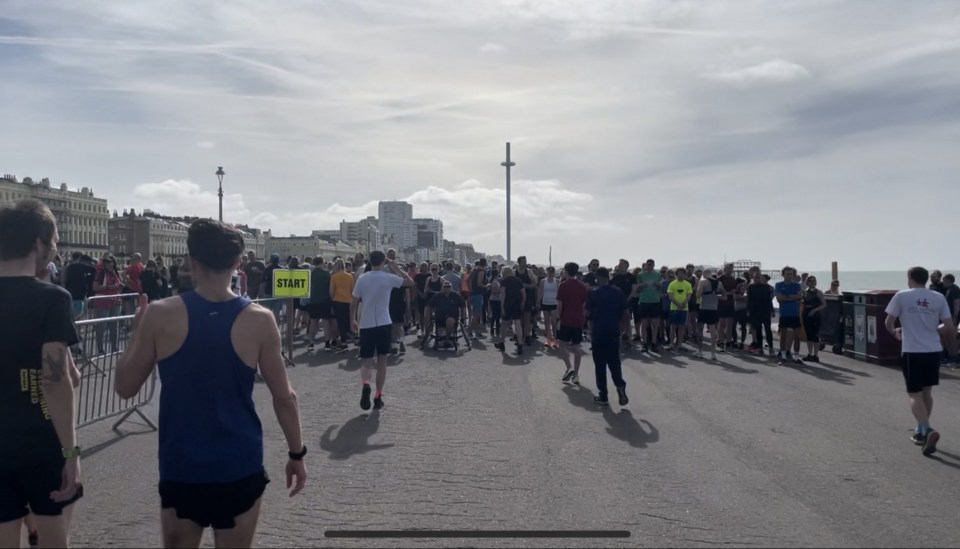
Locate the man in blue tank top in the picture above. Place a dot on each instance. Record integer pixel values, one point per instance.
(208, 345)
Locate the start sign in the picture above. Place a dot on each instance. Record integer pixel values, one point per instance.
(291, 283)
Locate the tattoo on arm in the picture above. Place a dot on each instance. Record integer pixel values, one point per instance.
(55, 365)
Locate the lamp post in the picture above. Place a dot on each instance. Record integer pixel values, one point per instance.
(508, 164)
(220, 173)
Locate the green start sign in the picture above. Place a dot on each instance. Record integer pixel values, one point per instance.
(291, 283)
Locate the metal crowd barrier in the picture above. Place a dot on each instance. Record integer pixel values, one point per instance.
(102, 341)
(285, 312)
(101, 306)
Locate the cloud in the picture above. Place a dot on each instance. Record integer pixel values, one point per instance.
(180, 197)
(775, 71)
(206, 144)
(491, 48)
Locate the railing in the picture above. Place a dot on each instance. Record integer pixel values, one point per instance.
(102, 341)
(285, 313)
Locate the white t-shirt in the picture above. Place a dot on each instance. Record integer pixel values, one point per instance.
(920, 311)
(373, 289)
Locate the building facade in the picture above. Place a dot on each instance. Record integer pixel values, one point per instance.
(394, 223)
(82, 217)
(254, 240)
(148, 234)
(429, 233)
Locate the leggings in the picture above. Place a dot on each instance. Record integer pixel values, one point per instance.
(495, 312)
(811, 325)
(341, 311)
(761, 327)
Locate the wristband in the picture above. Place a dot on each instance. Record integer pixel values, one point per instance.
(71, 453)
(298, 456)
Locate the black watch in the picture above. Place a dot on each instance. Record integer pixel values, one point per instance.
(297, 456)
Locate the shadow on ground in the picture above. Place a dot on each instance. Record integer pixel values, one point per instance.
(353, 437)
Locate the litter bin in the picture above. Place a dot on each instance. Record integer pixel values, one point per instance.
(831, 332)
(864, 336)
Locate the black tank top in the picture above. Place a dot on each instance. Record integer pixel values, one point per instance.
(811, 300)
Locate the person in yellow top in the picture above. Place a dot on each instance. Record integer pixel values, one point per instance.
(679, 292)
(341, 293)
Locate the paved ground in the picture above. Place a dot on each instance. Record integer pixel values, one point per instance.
(738, 452)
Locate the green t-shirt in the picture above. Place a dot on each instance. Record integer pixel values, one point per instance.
(679, 289)
(650, 294)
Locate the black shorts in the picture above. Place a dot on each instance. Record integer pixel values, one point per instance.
(319, 311)
(725, 309)
(530, 306)
(376, 341)
(740, 316)
(649, 310)
(398, 313)
(512, 312)
(664, 314)
(693, 306)
(25, 487)
(708, 317)
(570, 334)
(791, 322)
(213, 505)
(920, 370)
(548, 307)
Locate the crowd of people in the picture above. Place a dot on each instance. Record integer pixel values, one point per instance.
(208, 339)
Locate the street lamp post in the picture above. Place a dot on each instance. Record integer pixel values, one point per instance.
(508, 164)
(220, 173)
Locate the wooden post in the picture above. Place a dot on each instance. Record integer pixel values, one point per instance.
(834, 272)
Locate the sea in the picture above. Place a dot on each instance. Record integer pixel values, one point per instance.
(852, 281)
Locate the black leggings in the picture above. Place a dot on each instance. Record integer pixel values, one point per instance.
(761, 327)
(496, 312)
(341, 311)
(811, 325)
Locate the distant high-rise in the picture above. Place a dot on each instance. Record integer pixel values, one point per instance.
(394, 222)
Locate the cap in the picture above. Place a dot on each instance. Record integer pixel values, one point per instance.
(274, 257)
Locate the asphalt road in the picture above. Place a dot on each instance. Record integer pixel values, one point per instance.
(739, 452)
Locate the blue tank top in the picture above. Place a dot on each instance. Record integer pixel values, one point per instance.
(209, 428)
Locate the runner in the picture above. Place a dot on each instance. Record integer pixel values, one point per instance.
(813, 303)
(679, 292)
(494, 304)
(207, 346)
(590, 278)
(266, 287)
(372, 293)
(420, 286)
(693, 306)
(740, 315)
(760, 311)
(341, 294)
(39, 457)
(513, 297)
(477, 285)
(549, 287)
(607, 307)
(924, 317)
(665, 279)
(627, 283)
(399, 303)
(526, 275)
(789, 295)
(320, 307)
(725, 308)
(709, 302)
(78, 279)
(952, 295)
(571, 298)
(648, 286)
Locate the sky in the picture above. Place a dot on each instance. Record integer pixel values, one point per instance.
(795, 131)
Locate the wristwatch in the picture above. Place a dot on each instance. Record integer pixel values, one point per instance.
(71, 453)
(297, 456)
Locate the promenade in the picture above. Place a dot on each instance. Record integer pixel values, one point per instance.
(739, 452)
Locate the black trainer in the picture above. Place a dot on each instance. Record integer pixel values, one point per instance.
(568, 376)
(365, 397)
(602, 401)
(378, 403)
(622, 393)
(930, 444)
(918, 438)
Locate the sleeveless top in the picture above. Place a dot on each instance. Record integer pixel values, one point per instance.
(811, 300)
(550, 291)
(209, 428)
(710, 301)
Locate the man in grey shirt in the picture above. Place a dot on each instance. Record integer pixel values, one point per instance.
(453, 277)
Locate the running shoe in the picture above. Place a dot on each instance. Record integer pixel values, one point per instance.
(567, 376)
(394, 351)
(636, 338)
(403, 348)
(575, 379)
(814, 358)
(698, 354)
(930, 445)
(499, 346)
(519, 349)
(602, 401)
(622, 393)
(378, 403)
(365, 397)
(797, 360)
(917, 438)
(311, 349)
(713, 356)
